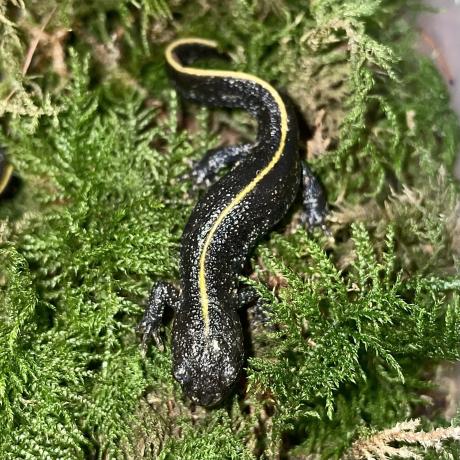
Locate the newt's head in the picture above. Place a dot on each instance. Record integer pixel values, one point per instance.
(208, 364)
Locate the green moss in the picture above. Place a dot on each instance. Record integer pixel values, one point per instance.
(358, 321)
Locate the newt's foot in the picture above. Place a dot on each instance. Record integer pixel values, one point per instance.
(150, 330)
(162, 295)
(315, 207)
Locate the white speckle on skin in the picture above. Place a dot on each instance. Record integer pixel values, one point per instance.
(215, 345)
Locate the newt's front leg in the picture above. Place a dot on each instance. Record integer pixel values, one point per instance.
(162, 295)
(206, 170)
(315, 206)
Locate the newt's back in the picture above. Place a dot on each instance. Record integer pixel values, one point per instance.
(242, 206)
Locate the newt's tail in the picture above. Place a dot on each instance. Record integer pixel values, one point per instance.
(219, 88)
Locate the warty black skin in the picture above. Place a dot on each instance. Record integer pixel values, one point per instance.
(208, 351)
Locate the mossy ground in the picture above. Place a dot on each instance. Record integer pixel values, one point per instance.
(359, 320)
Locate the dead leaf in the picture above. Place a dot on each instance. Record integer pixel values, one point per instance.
(318, 144)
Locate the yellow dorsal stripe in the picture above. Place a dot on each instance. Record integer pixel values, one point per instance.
(172, 61)
(5, 177)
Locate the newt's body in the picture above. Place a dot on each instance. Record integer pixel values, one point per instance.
(227, 222)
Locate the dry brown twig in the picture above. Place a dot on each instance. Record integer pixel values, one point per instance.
(34, 43)
(438, 55)
(31, 50)
(318, 144)
(378, 446)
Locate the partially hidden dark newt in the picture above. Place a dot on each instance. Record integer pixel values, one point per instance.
(235, 212)
(6, 172)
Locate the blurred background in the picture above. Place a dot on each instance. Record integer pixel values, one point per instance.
(440, 38)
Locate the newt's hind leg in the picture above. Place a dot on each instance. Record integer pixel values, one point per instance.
(248, 295)
(314, 200)
(206, 170)
(162, 295)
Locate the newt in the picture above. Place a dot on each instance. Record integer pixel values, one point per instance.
(237, 209)
(6, 172)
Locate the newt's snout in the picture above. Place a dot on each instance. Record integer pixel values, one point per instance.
(207, 374)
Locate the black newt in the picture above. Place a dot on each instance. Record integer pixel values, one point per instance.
(6, 172)
(234, 213)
